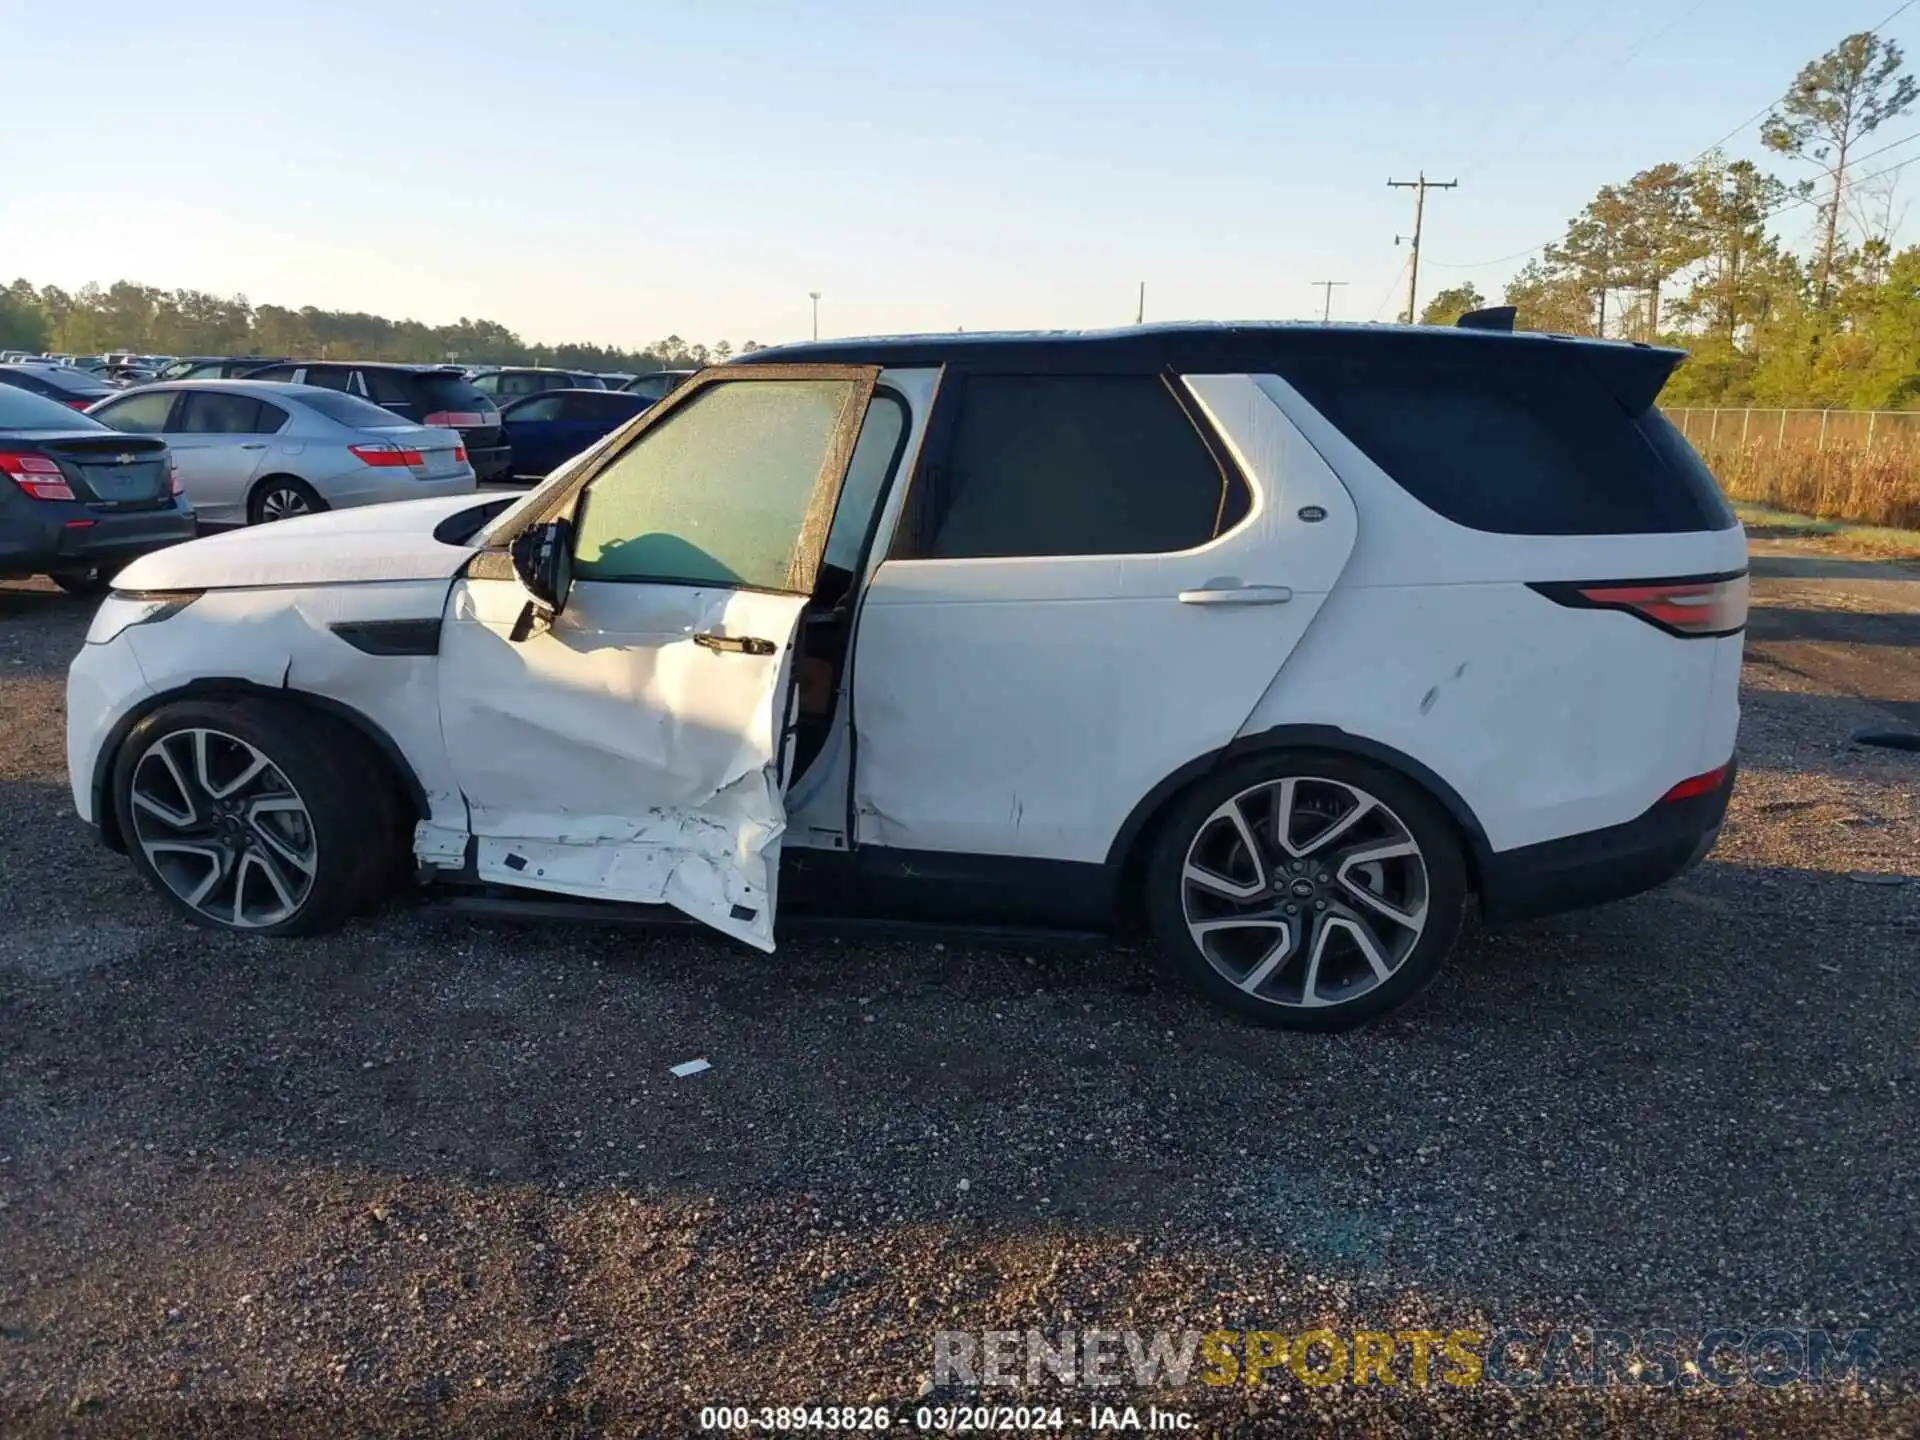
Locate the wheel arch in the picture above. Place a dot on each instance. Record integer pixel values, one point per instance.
(215, 687)
(1127, 855)
(259, 483)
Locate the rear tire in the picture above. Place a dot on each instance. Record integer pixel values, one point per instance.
(1342, 910)
(83, 583)
(257, 816)
(282, 497)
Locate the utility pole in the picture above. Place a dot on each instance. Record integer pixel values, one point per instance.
(1140, 315)
(1326, 310)
(1419, 188)
(814, 295)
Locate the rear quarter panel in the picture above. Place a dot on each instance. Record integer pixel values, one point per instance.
(1547, 721)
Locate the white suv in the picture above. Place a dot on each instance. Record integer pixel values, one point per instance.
(1284, 639)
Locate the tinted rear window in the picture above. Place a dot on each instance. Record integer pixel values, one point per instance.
(351, 410)
(23, 410)
(449, 392)
(1520, 445)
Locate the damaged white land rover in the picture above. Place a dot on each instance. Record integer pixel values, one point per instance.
(1281, 640)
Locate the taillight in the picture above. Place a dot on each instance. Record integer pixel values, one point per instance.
(457, 419)
(40, 477)
(386, 456)
(1697, 606)
(79, 404)
(174, 487)
(1703, 784)
(460, 454)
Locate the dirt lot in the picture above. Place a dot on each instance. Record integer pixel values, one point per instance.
(429, 1175)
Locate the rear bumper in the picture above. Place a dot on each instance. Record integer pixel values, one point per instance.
(39, 537)
(1581, 870)
(490, 462)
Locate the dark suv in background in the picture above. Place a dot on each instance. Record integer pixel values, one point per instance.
(424, 394)
(518, 380)
(77, 500)
(216, 367)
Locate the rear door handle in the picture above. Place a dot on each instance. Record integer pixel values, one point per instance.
(734, 644)
(254, 445)
(1238, 595)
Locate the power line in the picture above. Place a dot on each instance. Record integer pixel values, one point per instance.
(1895, 14)
(1387, 295)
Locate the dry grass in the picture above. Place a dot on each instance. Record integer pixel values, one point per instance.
(1845, 482)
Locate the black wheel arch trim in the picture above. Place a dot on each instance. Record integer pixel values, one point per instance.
(1127, 842)
(216, 687)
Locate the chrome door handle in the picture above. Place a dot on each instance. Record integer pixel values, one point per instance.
(1238, 595)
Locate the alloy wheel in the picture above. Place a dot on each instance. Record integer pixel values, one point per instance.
(283, 503)
(1305, 892)
(223, 828)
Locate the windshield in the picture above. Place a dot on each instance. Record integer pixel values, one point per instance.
(20, 410)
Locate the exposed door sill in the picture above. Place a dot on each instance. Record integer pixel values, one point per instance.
(496, 903)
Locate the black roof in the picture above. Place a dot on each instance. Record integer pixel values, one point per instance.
(1227, 348)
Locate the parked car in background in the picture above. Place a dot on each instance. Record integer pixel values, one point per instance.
(658, 385)
(215, 367)
(251, 451)
(78, 501)
(546, 430)
(425, 394)
(67, 384)
(508, 384)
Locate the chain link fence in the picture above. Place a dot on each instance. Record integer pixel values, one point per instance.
(1816, 430)
(1858, 465)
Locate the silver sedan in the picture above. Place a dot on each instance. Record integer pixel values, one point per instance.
(256, 450)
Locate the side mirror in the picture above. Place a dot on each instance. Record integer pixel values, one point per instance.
(543, 559)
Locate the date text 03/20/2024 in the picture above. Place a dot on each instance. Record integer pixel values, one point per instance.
(939, 1419)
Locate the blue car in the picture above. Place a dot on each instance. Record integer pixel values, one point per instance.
(549, 429)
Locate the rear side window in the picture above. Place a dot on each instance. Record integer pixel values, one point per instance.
(352, 410)
(144, 414)
(1517, 447)
(271, 372)
(76, 383)
(546, 407)
(384, 387)
(586, 382)
(329, 377)
(209, 413)
(1069, 465)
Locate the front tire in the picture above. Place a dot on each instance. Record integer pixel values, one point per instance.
(1307, 890)
(256, 816)
(282, 497)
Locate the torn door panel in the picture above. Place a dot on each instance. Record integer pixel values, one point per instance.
(612, 755)
(718, 864)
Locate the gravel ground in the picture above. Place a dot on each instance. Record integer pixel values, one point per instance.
(428, 1175)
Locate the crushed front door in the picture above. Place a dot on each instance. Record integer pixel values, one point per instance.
(629, 750)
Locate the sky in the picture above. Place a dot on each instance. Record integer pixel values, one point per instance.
(619, 170)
